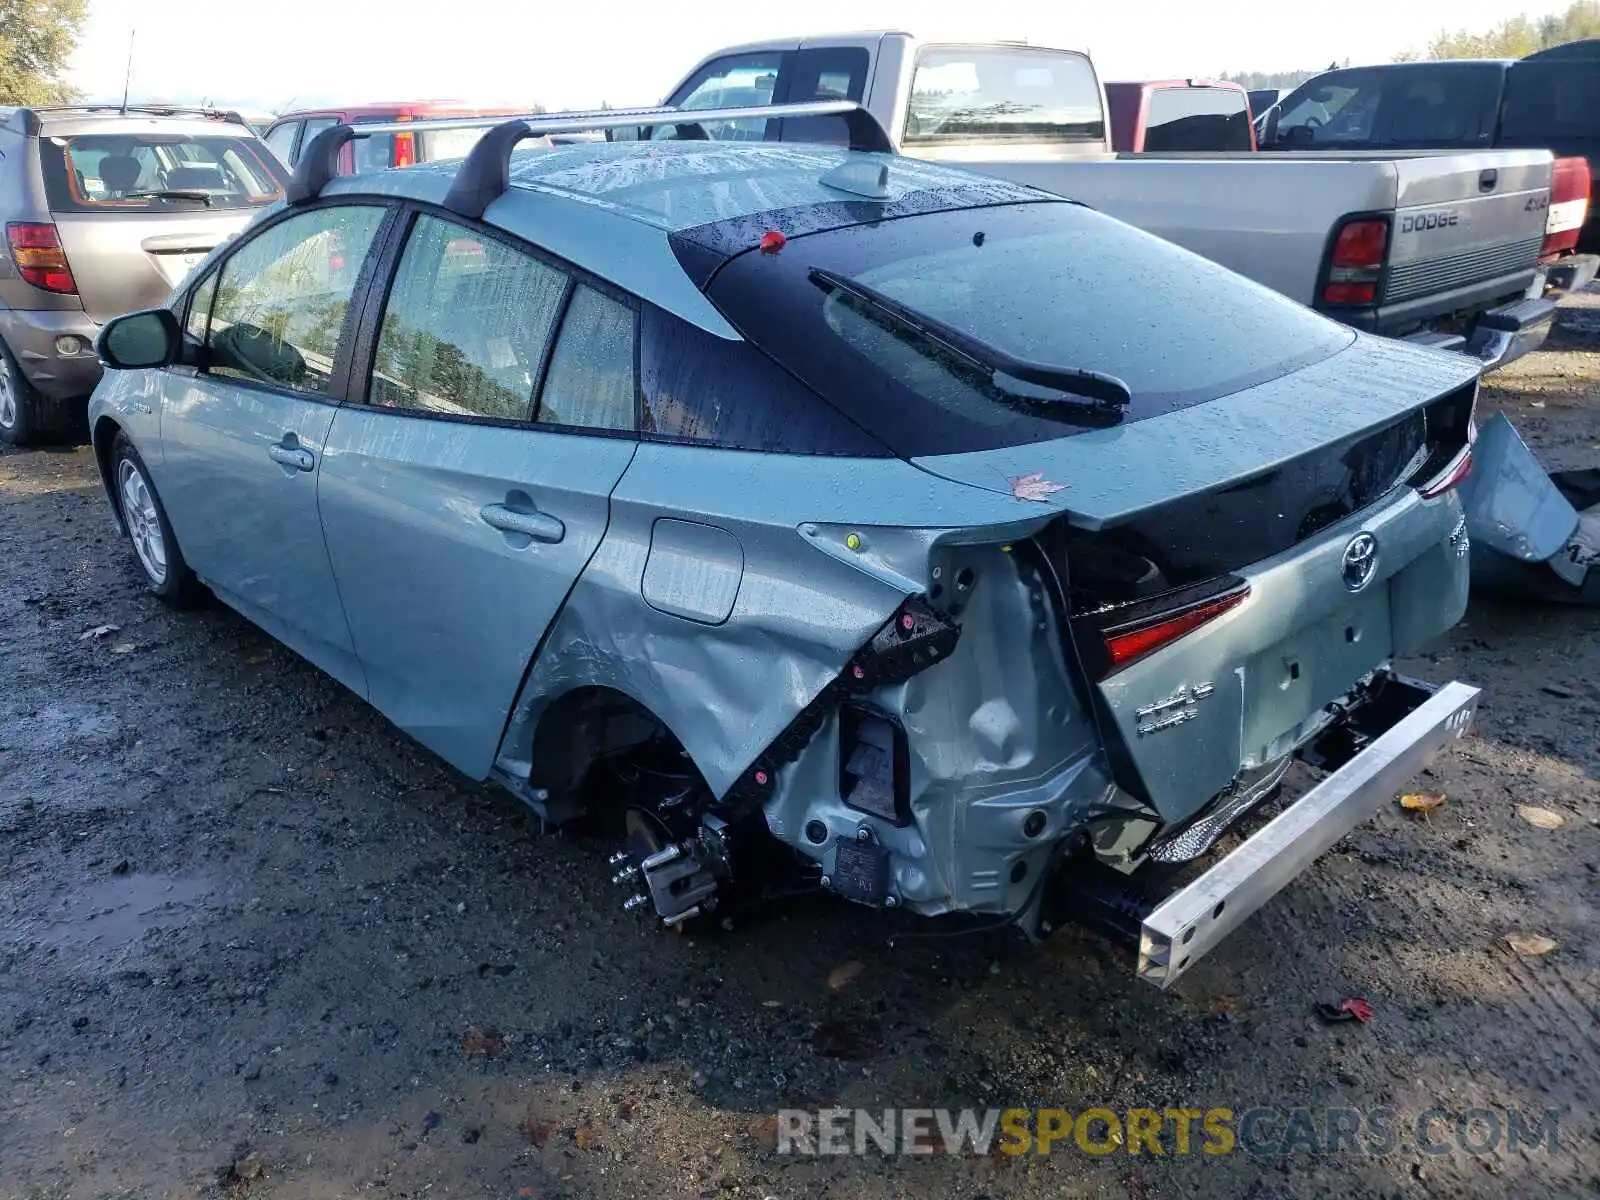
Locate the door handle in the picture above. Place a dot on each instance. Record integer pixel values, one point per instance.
(541, 527)
(1488, 179)
(292, 456)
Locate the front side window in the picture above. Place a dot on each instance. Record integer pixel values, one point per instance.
(738, 81)
(1427, 106)
(591, 380)
(1197, 118)
(466, 324)
(962, 94)
(157, 172)
(282, 298)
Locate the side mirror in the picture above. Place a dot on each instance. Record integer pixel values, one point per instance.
(150, 338)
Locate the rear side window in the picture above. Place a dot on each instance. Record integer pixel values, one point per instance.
(1197, 118)
(698, 387)
(961, 94)
(1552, 99)
(158, 172)
(591, 383)
(465, 327)
(283, 297)
(1430, 106)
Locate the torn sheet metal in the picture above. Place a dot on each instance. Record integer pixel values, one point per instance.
(1534, 535)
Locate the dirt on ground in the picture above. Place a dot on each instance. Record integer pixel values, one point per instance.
(254, 942)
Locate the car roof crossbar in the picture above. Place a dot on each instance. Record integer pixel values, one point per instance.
(486, 173)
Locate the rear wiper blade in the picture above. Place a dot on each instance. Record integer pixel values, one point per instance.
(170, 194)
(1040, 382)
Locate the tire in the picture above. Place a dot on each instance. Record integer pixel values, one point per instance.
(26, 417)
(155, 548)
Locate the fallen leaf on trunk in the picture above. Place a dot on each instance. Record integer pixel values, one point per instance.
(1532, 945)
(1422, 802)
(1540, 818)
(482, 1043)
(841, 975)
(98, 632)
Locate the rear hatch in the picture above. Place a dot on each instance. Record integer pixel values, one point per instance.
(1465, 219)
(136, 204)
(1212, 450)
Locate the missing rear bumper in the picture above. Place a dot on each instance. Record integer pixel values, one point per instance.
(1384, 742)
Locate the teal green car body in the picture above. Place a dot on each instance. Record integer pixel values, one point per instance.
(720, 591)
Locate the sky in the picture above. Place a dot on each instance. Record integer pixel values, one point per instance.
(275, 54)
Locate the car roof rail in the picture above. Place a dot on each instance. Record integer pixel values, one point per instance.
(486, 173)
(27, 116)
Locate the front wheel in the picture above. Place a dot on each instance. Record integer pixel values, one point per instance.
(154, 546)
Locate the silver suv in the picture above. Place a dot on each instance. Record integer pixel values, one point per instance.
(105, 210)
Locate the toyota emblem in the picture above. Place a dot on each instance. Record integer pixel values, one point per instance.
(1360, 561)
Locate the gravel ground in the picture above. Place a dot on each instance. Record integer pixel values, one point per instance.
(257, 943)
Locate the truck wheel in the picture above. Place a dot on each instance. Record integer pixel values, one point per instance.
(154, 546)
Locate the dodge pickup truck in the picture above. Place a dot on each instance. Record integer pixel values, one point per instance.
(1441, 249)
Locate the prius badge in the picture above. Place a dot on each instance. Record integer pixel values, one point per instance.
(1360, 561)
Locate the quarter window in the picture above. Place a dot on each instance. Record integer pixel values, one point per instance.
(282, 298)
(591, 380)
(466, 325)
(200, 308)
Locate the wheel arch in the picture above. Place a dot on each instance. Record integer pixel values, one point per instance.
(102, 438)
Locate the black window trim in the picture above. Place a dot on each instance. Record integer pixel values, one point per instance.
(339, 377)
(365, 343)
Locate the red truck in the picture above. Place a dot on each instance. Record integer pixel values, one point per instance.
(1176, 115)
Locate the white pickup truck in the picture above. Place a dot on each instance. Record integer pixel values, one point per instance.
(1438, 248)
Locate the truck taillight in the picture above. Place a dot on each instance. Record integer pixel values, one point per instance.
(36, 249)
(1131, 641)
(1569, 206)
(405, 149)
(1356, 262)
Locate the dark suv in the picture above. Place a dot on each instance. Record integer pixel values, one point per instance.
(105, 211)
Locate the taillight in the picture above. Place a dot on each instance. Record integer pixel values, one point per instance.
(36, 249)
(1132, 641)
(1455, 471)
(405, 149)
(1569, 206)
(1356, 262)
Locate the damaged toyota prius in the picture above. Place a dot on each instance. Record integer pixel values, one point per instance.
(817, 518)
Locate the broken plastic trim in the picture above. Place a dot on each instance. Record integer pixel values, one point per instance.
(913, 640)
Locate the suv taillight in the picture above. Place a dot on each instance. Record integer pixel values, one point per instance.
(36, 249)
(405, 149)
(1356, 263)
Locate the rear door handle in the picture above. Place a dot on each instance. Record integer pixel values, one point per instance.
(292, 456)
(1488, 179)
(541, 527)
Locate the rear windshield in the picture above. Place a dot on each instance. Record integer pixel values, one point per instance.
(1049, 282)
(1552, 99)
(1431, 106)
(158, 173)
(1198, 118)
(963, 94)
